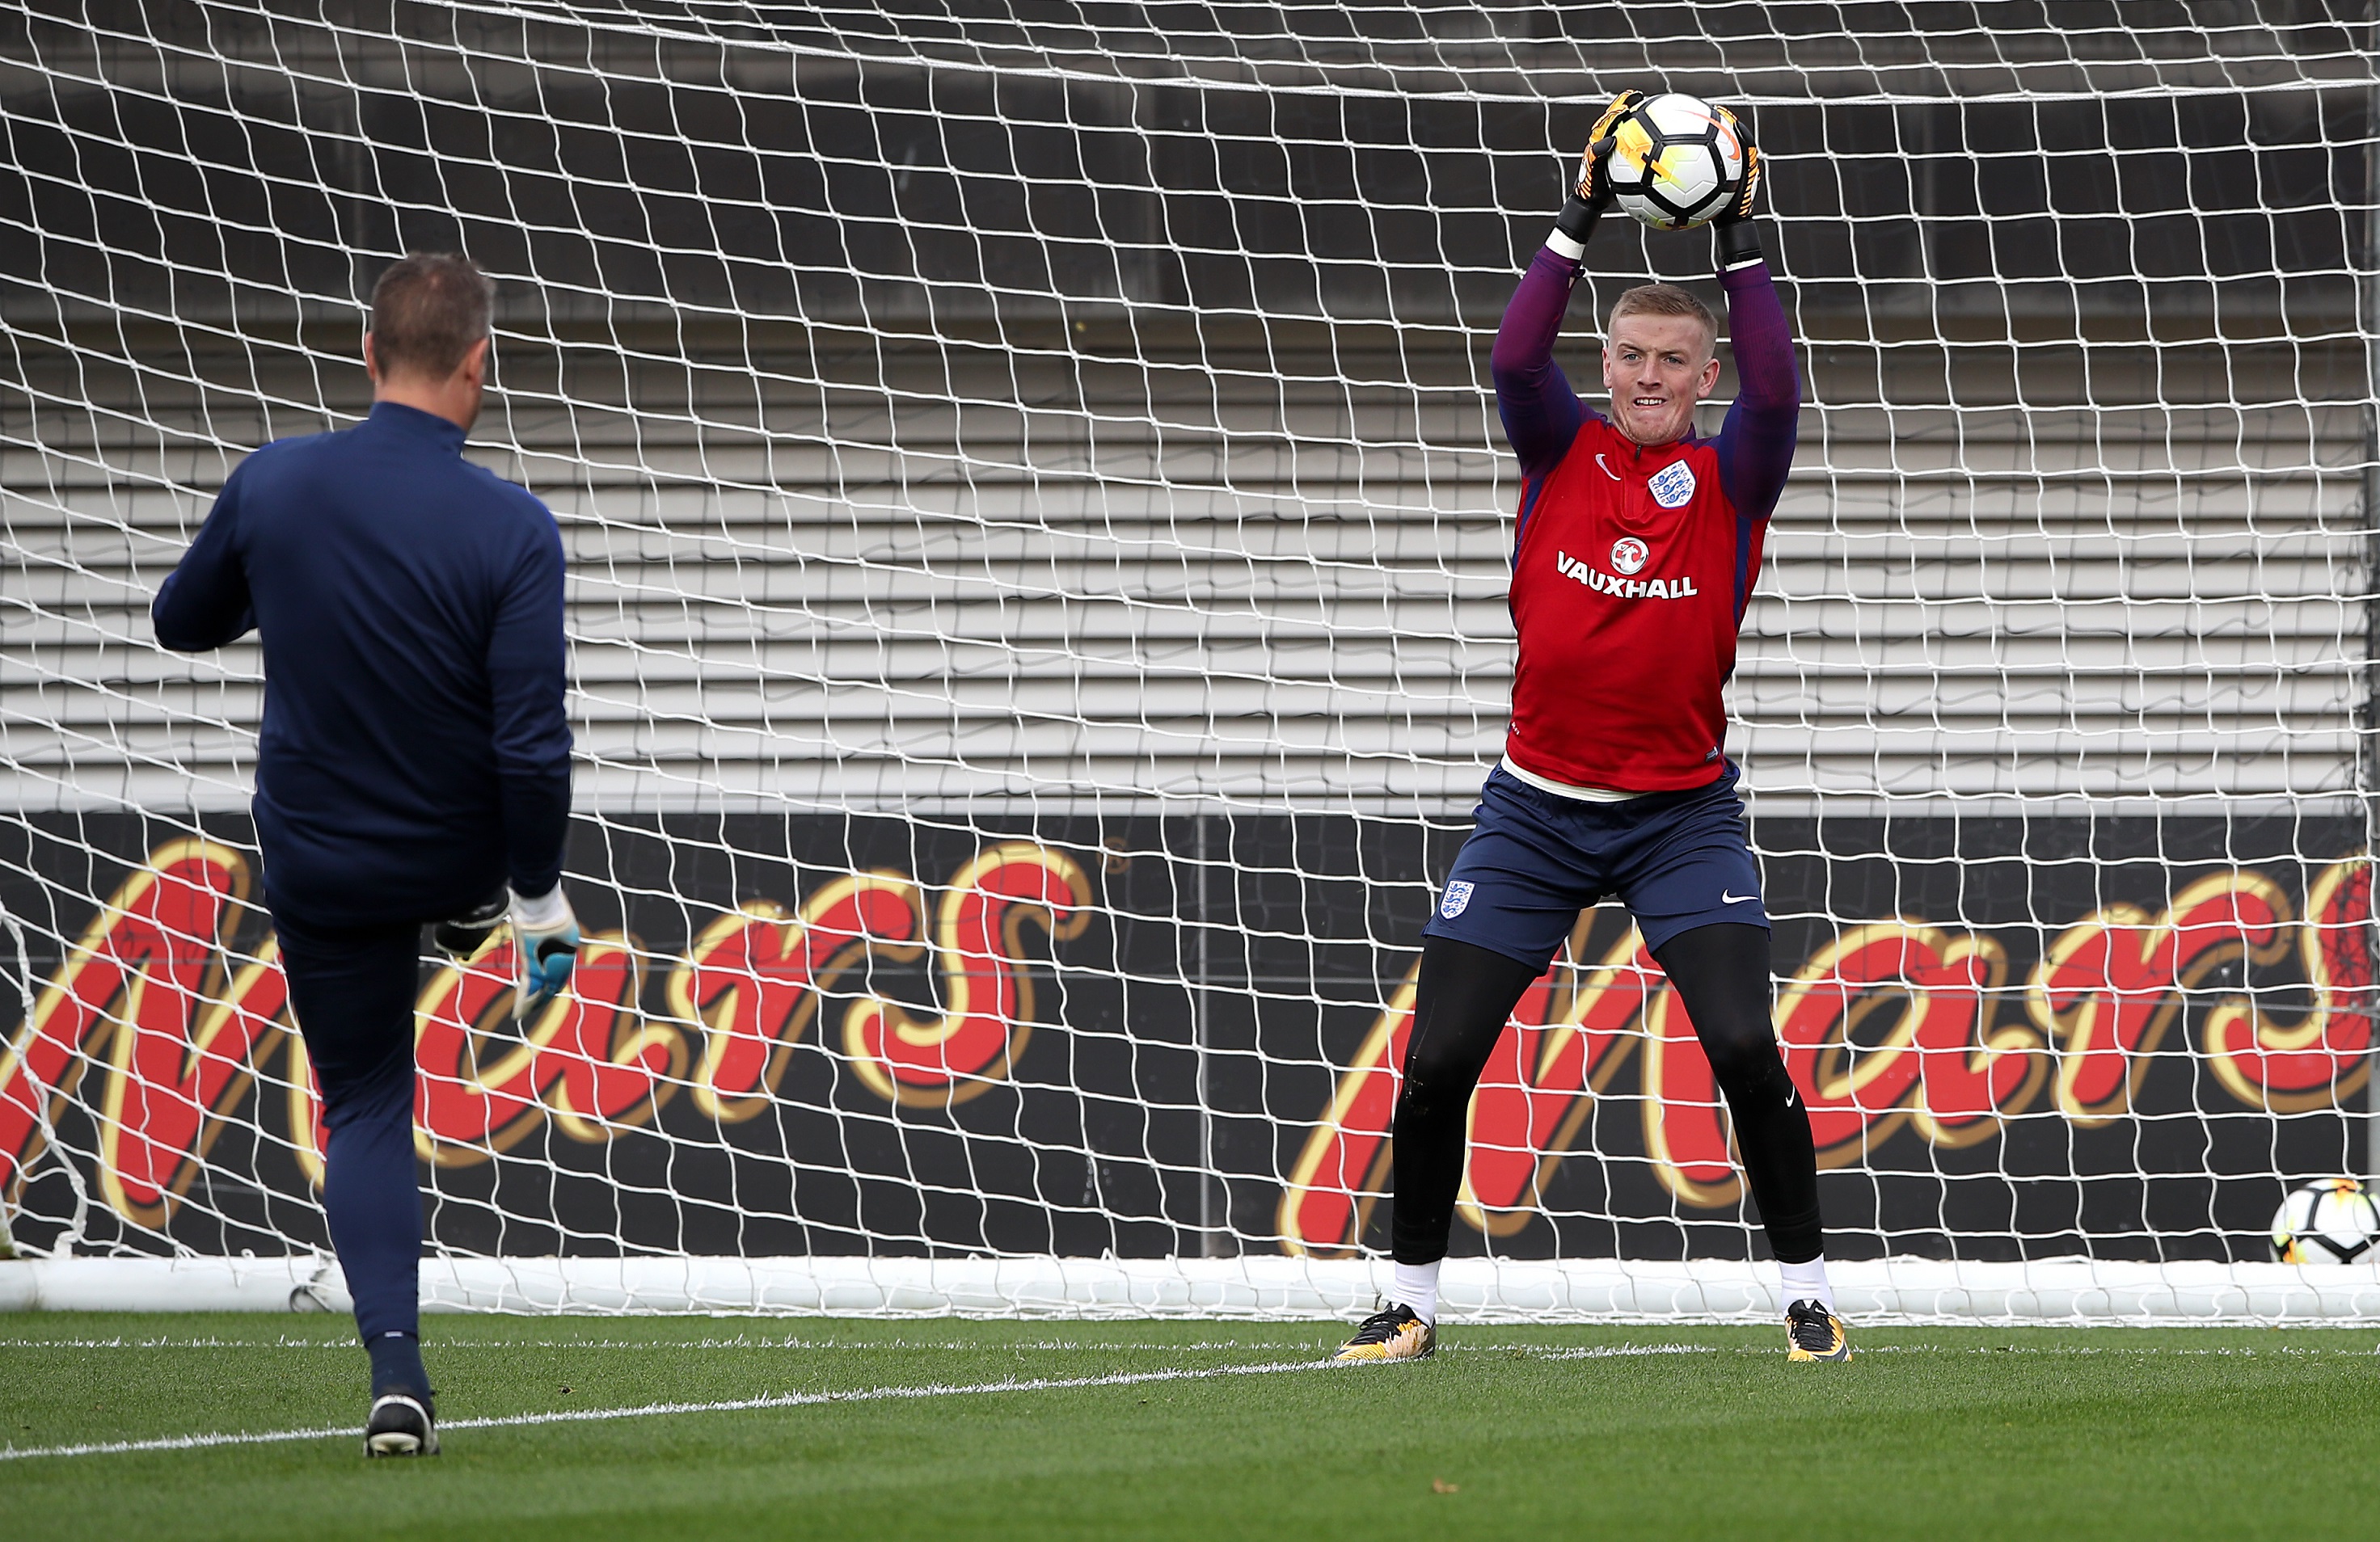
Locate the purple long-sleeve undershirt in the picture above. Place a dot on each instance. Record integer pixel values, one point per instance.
(1755, 444)
(1542, 413)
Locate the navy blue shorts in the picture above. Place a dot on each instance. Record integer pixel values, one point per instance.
(1536, 860)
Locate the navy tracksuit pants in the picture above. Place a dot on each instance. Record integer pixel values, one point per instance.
(352, 991)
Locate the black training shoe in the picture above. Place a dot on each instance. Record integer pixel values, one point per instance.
(400, 1426)
(1812, 1332)
(1395, 1333)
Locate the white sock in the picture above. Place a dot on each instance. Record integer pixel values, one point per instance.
(1805, 1282)
(1417, 1286)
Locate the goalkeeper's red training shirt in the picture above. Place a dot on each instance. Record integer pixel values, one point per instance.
(1631, 565)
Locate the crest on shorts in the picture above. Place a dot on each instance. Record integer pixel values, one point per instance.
(1628, 554)
(1456, 898)
(1672, 485)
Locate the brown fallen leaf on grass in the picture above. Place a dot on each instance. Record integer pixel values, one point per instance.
(1440, 1486)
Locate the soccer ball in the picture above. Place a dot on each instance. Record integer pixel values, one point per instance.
(2328, 1221)
(1676, 160)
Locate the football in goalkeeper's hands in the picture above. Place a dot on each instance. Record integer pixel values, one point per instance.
(1676, 160)
(2328, 1221)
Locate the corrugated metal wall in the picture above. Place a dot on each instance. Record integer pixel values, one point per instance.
(916, 604)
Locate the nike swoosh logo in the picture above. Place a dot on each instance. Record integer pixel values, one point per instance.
(1607, 470)
(1727, 898)
(1789, 1095)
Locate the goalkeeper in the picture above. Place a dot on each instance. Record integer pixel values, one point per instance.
(1635, 548)
(414, 764)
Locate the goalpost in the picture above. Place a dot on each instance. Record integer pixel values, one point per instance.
(1038, 529)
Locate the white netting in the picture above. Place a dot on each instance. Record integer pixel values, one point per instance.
(1038, 533)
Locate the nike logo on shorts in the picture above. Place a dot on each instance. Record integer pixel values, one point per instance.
(1727, 898)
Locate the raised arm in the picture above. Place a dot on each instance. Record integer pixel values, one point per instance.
(1541, 413)
(1755, 444)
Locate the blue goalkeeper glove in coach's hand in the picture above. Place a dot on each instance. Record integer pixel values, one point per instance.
(545, 939)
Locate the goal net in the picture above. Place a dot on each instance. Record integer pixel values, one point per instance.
(1038, 534)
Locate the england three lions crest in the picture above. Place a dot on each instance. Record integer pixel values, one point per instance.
(1672, 485)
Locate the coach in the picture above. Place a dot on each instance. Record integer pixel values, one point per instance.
(414, 763)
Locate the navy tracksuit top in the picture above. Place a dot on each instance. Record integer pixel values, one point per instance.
(415, 753)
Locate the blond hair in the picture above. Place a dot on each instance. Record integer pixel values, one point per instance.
(1667, 299)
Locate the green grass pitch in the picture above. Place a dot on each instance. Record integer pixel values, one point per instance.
(966, 1429)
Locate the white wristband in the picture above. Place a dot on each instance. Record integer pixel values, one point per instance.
(545, 913)
(1564, 247)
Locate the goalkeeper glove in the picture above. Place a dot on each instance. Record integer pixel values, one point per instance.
(460, 938)
(545, 943)
(1738, 238)
(1592, 195)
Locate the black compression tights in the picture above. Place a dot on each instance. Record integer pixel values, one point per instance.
(1462, 1001)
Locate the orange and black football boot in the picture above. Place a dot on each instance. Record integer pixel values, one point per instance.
(1394, 1333)
(1813, 1333)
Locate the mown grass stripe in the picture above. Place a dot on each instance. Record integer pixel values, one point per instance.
(781, 1399)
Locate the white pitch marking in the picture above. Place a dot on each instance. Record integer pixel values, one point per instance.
(783, 1399)
(463, 1346)
(851, 1345)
